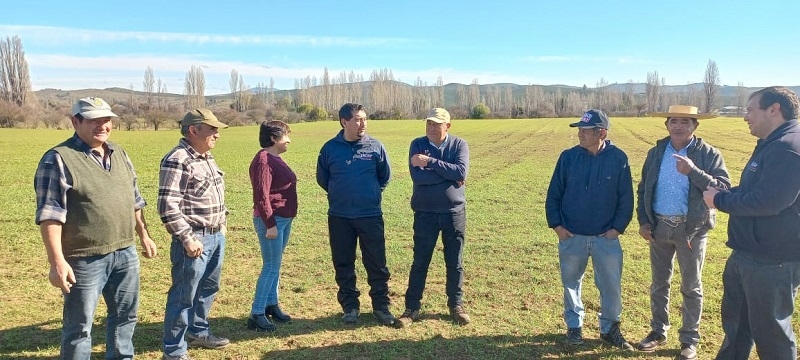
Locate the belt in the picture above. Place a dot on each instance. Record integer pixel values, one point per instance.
(672, 219)
(207, 230)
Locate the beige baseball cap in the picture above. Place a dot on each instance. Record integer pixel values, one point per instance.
(92, 108)
(439, 115)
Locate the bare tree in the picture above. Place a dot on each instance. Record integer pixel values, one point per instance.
(15, 82)
(149, 82)
(710, 85)
(234, 84)
(652, 90)
(741, 96)
(195, 87)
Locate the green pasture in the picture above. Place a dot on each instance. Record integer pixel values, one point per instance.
(512, 289)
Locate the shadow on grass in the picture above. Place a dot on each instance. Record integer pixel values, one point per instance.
(15, 342)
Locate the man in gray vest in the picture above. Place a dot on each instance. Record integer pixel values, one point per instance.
(92, 248)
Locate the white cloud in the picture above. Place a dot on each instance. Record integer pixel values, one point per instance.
(51, 34)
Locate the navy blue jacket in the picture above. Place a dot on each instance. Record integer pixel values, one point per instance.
(764, 209)
(591, 194)
(353, 175)
(436, 187)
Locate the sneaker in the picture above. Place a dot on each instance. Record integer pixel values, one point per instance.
(259, 323)
(350, 316)
(615, 339)
(385, 317)
(277, 314)
(652, 341)
(181, 357)
(688, 351)
(209, 341)
(574, 336)
(459, 315)
(408, 317)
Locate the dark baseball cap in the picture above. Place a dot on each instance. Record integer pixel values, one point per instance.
(593, 119)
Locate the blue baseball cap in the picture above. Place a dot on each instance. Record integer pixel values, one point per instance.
(593, 119)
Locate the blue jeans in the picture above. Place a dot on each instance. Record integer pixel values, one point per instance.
(606, 254)
(757, 306)
(271, 259)
(195, 283)
(426, 232)
(116, 276)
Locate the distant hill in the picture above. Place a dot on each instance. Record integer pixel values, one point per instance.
(726, 95)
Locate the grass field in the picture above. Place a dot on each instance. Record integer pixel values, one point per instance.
(512, 288)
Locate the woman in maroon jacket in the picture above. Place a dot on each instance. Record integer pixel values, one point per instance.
(274, 208)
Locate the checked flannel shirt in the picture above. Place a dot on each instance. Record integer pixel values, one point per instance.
(191, 191)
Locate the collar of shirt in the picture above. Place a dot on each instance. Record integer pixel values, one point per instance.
(104, 161)
(440, 147)
(682, 151)
(189, 149)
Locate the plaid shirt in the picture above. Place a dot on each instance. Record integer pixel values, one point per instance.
(191, 191)
(53, 180)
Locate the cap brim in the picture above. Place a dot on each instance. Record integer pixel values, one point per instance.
(436, 120)
(215, 123)
(94, 114)
(694, 116)
(584, 125)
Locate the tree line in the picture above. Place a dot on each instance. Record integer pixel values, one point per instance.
(319, 98)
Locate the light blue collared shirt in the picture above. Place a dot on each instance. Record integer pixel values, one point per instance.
(672, 187)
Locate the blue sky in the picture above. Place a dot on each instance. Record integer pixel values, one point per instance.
(91, 44)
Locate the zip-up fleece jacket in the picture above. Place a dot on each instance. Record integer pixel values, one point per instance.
(709, 170)
(764, 209)
(354, 176)
(436, 186)
(590, 194)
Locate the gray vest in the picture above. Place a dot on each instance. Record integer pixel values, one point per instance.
(100, 205)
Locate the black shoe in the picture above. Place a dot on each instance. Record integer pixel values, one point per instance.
(688, 351)
(277, 314)
(385, 317)
(259, 322)
(652, 341)
(574, 336)
(615, 339)
(350, 316)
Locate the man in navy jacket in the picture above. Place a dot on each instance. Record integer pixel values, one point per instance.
(589, 204)
(762, 274)
(353, 169)
(438, 163)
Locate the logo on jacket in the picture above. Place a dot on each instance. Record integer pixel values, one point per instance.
(752, 166)
(363, 156)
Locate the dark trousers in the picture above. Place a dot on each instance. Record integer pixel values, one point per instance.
(757, 306)
(368, 233)
(426, 232)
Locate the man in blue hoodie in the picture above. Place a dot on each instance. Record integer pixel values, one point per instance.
(353, 168)
(762, 274)
(589, 204)
(438, 163)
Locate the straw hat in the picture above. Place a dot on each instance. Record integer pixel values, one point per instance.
(682, 111)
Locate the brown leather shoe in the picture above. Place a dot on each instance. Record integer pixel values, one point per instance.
(459, 315)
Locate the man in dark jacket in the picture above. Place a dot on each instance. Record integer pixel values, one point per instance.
(675, 221)
(438, 163)
(589, 204)
(762, 274)
(353, 169)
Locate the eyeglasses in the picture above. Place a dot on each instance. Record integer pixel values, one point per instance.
(585, 130)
